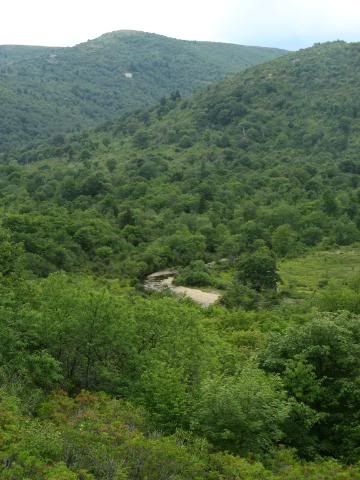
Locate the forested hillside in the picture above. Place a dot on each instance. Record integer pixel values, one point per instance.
(13, 54)
(47, 91)
(270, 156)
(252, 187)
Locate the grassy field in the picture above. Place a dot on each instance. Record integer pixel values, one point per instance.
(305, 276)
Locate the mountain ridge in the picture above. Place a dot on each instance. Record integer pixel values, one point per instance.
(129, 32)
(48, 91)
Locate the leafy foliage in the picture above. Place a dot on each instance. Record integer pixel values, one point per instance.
(320, 367)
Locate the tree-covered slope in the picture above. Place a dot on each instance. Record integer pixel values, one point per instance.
(262, 167)
(267, 157)
(10, 55)
(47, 91)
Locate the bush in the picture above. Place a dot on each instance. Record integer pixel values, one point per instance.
(195, 275)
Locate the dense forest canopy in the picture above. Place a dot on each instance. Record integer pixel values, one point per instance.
(251, 186)
(47, 91)
(269, 157)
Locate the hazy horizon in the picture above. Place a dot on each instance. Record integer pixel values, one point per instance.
(287, 24)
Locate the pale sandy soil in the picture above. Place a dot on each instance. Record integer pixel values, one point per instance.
(158, 282)
(204, 298)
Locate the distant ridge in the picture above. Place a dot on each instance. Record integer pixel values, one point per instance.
(47, 91)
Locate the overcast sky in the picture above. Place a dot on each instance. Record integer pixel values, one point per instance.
(290, 24)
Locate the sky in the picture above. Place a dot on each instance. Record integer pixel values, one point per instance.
(289, 24)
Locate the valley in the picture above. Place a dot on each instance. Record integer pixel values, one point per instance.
(179, 261)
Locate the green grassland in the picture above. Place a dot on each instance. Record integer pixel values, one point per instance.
(307, 275)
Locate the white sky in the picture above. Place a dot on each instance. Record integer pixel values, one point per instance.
(289, 24)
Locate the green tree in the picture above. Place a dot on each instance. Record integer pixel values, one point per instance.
(284, 240)
(257, 270)
(244, 413)
(11, 254)
(319, 364)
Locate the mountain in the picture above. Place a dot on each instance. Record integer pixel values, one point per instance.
(269, 156)
(256, 175)
(10, 55)
(48, 91)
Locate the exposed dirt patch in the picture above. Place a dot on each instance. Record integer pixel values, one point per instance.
(159, 281)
